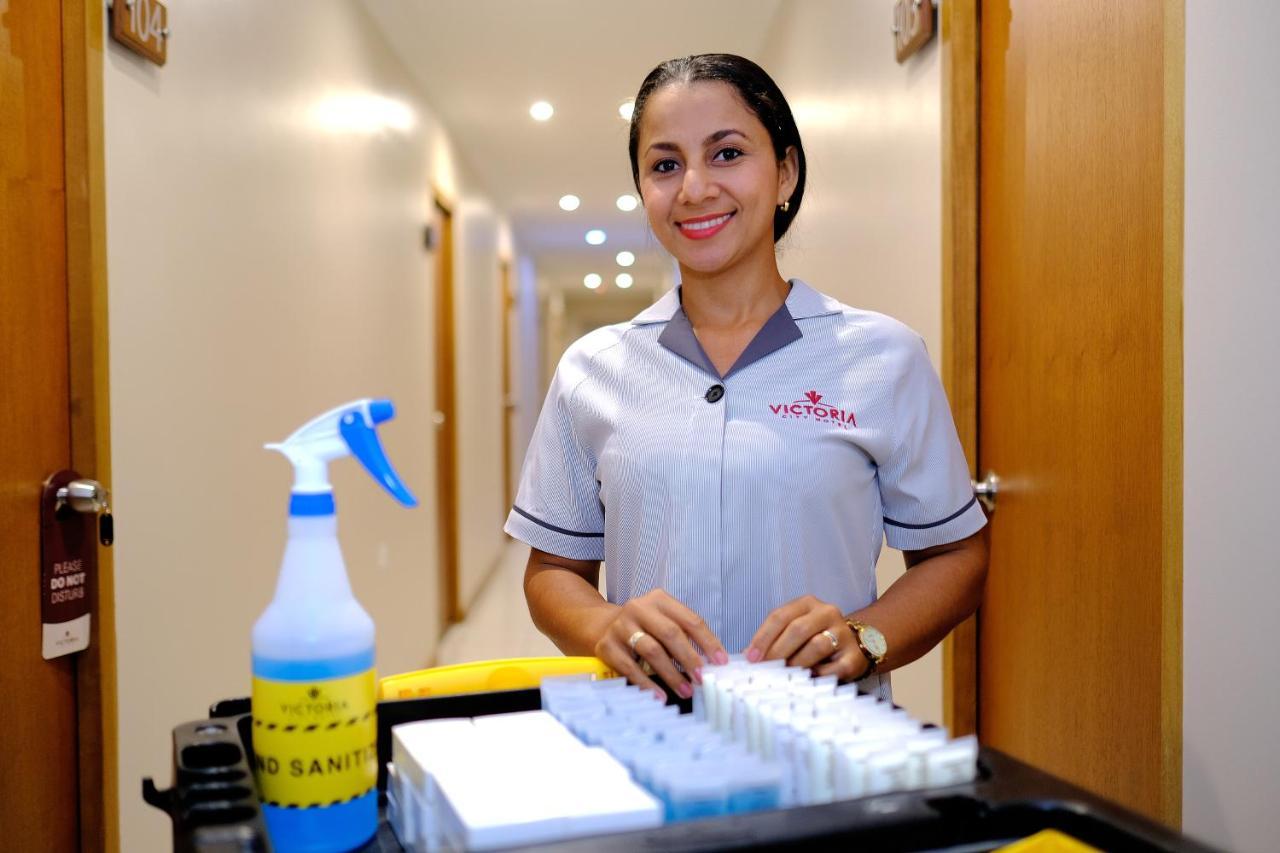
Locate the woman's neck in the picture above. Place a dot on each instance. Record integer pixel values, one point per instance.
(731, 299)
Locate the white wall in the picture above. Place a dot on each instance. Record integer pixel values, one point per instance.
(1231, 572)
(478, 240)
(870, 230)
(526, 356)
(265, 261)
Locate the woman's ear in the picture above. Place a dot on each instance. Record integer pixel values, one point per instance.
(788, 174)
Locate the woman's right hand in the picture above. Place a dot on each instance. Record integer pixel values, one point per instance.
(670, 631)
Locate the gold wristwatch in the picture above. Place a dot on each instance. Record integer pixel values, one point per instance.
(871, 641)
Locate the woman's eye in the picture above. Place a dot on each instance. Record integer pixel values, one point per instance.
(664, 166)
(728, 154)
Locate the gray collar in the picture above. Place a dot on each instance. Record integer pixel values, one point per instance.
(778, 331)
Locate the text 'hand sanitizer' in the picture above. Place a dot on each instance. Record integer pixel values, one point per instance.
(314, 693)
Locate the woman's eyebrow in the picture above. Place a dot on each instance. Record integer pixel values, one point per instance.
(721, 134)
(710, 140)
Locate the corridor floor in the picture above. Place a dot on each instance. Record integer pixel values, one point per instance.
(497, 625)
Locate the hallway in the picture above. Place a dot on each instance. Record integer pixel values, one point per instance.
(497, 625)
(419, 218)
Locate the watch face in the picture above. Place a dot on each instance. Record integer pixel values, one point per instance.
(874, 641)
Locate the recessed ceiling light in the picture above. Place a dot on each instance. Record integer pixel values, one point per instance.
(624, 280)
(596, 237)
(592, 280)
(541, 111)
(569, 202)
(626, 109)
(625, 259)
(628, 202)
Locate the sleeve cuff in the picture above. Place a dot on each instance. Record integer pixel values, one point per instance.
(575, 545)
(909, 536)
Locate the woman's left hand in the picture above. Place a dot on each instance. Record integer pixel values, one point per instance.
(794, 633)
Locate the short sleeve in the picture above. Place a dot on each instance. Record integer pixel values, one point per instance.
(557, 507)
(925, 488)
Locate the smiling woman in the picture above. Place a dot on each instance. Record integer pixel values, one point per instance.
(757, 95)
(695, 448)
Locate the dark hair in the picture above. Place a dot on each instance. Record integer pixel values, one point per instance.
(757, 90)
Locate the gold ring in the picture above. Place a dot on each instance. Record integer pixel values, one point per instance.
(635, 638)
(835, 643)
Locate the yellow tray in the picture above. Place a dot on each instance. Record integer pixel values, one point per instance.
(485, 675)
(1048, 841)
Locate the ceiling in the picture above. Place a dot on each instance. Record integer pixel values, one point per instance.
(482, 63)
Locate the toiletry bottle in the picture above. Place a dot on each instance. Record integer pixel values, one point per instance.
(314, 725)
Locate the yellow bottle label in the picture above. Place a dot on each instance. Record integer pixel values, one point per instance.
(315, 743)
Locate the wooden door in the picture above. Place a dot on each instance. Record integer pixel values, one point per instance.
(446, 421)
(1079, 391)
(57, 790)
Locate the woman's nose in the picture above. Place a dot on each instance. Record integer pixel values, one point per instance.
(695, 187)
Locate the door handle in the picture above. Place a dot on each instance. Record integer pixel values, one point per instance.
(89, 497)
(437, 420)
(987, 490)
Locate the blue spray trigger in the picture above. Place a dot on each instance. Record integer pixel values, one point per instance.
(362, 440)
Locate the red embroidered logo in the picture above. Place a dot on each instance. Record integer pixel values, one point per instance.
(812, 408)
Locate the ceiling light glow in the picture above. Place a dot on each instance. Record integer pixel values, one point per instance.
(625, 259)
(624, 280)
(569, 202)
(541, 111)
(628, 202)
(626, 109)
(592, 280)
(361, 113)
(596, 237)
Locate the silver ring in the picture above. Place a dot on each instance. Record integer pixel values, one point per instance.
(635, 638)
(835, 643)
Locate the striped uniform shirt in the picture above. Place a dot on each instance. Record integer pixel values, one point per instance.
(738, 493)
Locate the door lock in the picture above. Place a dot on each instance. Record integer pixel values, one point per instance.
(90, 498)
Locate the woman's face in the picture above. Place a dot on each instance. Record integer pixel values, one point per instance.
(709, 177)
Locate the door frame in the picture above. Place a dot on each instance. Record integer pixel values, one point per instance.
(83, 45)
(508, 306)
(959, 27)
(446, 405)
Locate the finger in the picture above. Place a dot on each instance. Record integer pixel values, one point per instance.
(688, 629)
(801, 630)
(819, 648)
(655, 647)
(837, 667)
(848, 666)
(772, 627)
(696, 628)
(845, 665)
(618, 657)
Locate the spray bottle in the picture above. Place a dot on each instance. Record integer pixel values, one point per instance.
(314, 730)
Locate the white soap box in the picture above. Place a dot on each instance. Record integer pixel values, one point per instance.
(505, 780)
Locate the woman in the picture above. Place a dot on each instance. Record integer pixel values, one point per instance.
(737, 452)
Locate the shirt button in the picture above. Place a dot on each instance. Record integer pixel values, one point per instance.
(714, 393)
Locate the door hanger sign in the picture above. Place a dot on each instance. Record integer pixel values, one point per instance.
(68, 571)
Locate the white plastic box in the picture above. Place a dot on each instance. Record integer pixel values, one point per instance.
(504, 780)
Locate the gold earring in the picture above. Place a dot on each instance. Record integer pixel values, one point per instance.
(785, 206)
